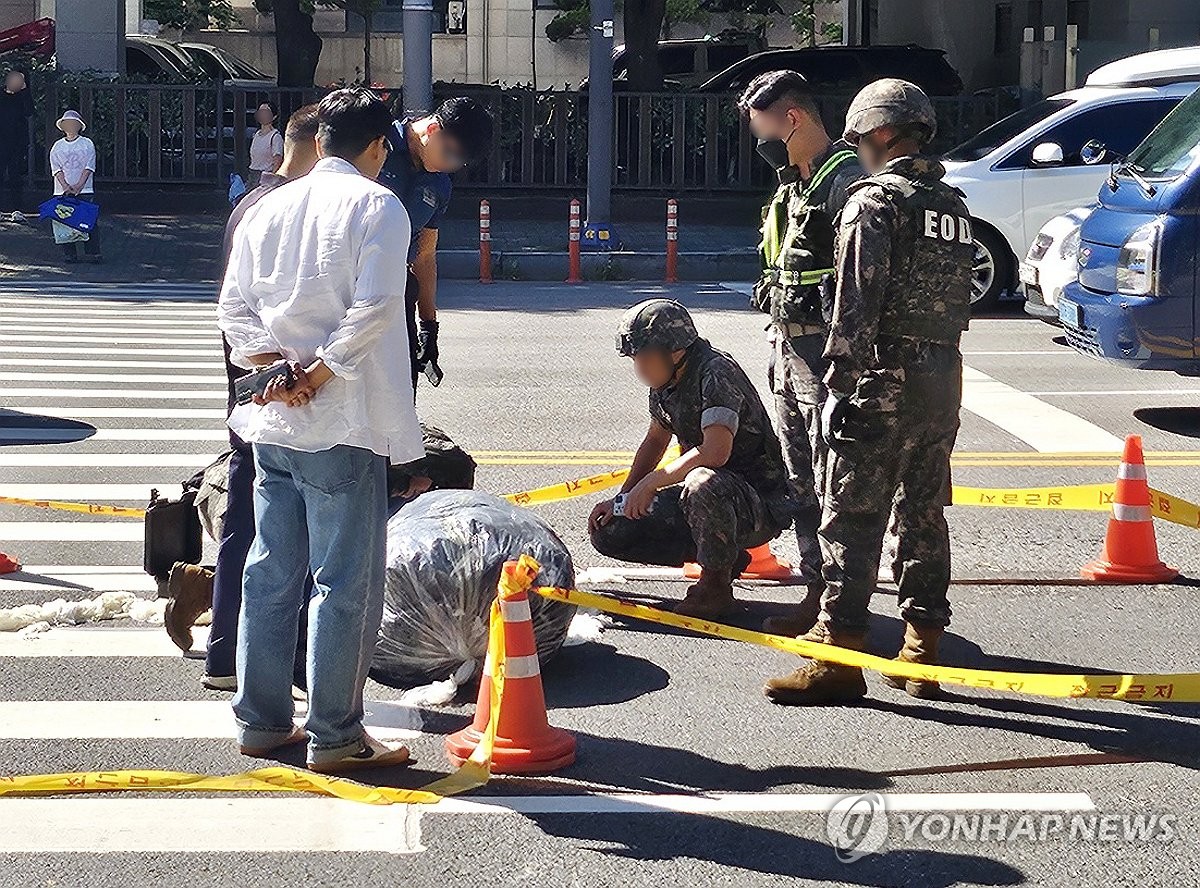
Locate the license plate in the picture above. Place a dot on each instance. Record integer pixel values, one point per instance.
(1028, 273)
(1070, 314)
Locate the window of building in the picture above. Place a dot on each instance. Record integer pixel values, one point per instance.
(1003, 39)
(1034, 18)
(389, 17)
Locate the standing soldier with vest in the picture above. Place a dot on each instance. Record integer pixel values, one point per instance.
(895, 387)
(797, 260)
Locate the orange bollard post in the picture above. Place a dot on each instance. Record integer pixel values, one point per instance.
(672, 241)
(525, 742)
(485, 242)
(1130, 553)
(574, 273)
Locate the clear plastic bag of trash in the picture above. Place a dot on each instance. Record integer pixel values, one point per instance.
(445, 553)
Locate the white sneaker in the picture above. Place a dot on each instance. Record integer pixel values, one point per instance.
(373, 754)
(220, 682)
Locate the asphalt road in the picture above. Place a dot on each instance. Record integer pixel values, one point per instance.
(677, 720)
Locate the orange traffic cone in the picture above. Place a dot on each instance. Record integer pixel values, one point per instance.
(525, 743)
(8, 564)
(763, 566)
(1130, 553)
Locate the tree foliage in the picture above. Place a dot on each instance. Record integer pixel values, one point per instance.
(192, 15)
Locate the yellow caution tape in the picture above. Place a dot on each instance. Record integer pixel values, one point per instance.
(86, 508)
(475, 772)
(1169, 687)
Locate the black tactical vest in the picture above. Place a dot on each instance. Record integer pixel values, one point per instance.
(928, 294)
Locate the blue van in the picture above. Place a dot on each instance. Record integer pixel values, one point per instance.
(1135, 302)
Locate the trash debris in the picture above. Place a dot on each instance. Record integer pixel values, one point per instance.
(60, 612)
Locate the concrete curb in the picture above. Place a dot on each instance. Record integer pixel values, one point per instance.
(536, 265)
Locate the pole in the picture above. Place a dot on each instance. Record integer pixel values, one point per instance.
(417, 22)
(485, 242)
(573, 271)
(598, 233)
(672, 241)
(1072, 75)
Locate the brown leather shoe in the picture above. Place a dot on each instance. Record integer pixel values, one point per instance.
(191, 589)
(819, 682)
(709, 598)
(804, 617)
(920, 646)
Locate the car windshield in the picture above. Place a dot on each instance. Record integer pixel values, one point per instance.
(1010, 127)
(1173, 146)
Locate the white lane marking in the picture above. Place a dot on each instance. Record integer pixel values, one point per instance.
(116, 530)
(1120, 392)
(89, 493)
(220, 394)
(746, 289)
(51, 330)
(36, 310)
(215, 366)
(90, 412)
(166, 720)
(92, 460)
(21, 318)
(119, 378)
(118, 346)
(95, 642)
(206, 826)
(740, 803)
(74, 580)
(1046, 428)
(1000, 354)
(217, 434)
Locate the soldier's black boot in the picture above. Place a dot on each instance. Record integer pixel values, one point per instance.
(819, 682)
(920, 646)
(804, 617)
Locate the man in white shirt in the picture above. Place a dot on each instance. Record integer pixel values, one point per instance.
(312, 279)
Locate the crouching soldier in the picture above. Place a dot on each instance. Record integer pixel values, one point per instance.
(727, 492)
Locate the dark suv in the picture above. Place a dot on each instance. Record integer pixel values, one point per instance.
(845, 69)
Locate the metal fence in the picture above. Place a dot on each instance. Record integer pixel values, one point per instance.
(162, 134)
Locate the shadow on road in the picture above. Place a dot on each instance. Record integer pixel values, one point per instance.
(760, 849)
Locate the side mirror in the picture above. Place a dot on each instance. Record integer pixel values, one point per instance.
(1093, 152)
(1047, 154)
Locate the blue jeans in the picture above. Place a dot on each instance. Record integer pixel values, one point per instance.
(326, 513)
(237, 535)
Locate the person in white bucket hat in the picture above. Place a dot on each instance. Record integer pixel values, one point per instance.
(73, 165)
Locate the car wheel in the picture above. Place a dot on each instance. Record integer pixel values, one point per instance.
(991, 273)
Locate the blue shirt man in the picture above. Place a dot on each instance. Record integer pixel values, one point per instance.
(424, 152)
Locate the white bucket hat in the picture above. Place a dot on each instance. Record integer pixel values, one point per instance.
(71, 115)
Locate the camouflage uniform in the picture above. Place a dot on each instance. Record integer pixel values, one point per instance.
(903, 300)
(797, 260)
(715, 514)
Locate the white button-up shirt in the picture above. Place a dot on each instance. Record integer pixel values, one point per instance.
(317, 270)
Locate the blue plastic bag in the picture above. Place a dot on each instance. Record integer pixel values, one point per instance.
(71, 212)
(237, 187)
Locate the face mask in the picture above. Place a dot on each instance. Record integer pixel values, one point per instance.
(775, 152)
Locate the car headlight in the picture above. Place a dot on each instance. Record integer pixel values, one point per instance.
(1038, 248)
(1070, 245)
(1137, 263)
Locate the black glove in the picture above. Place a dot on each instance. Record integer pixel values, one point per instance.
(427, 351)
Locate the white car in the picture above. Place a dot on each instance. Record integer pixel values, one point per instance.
(1052, 157)
(1052, 263)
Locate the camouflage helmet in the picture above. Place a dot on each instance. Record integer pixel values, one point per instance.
(655, 323)
(890, 102)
